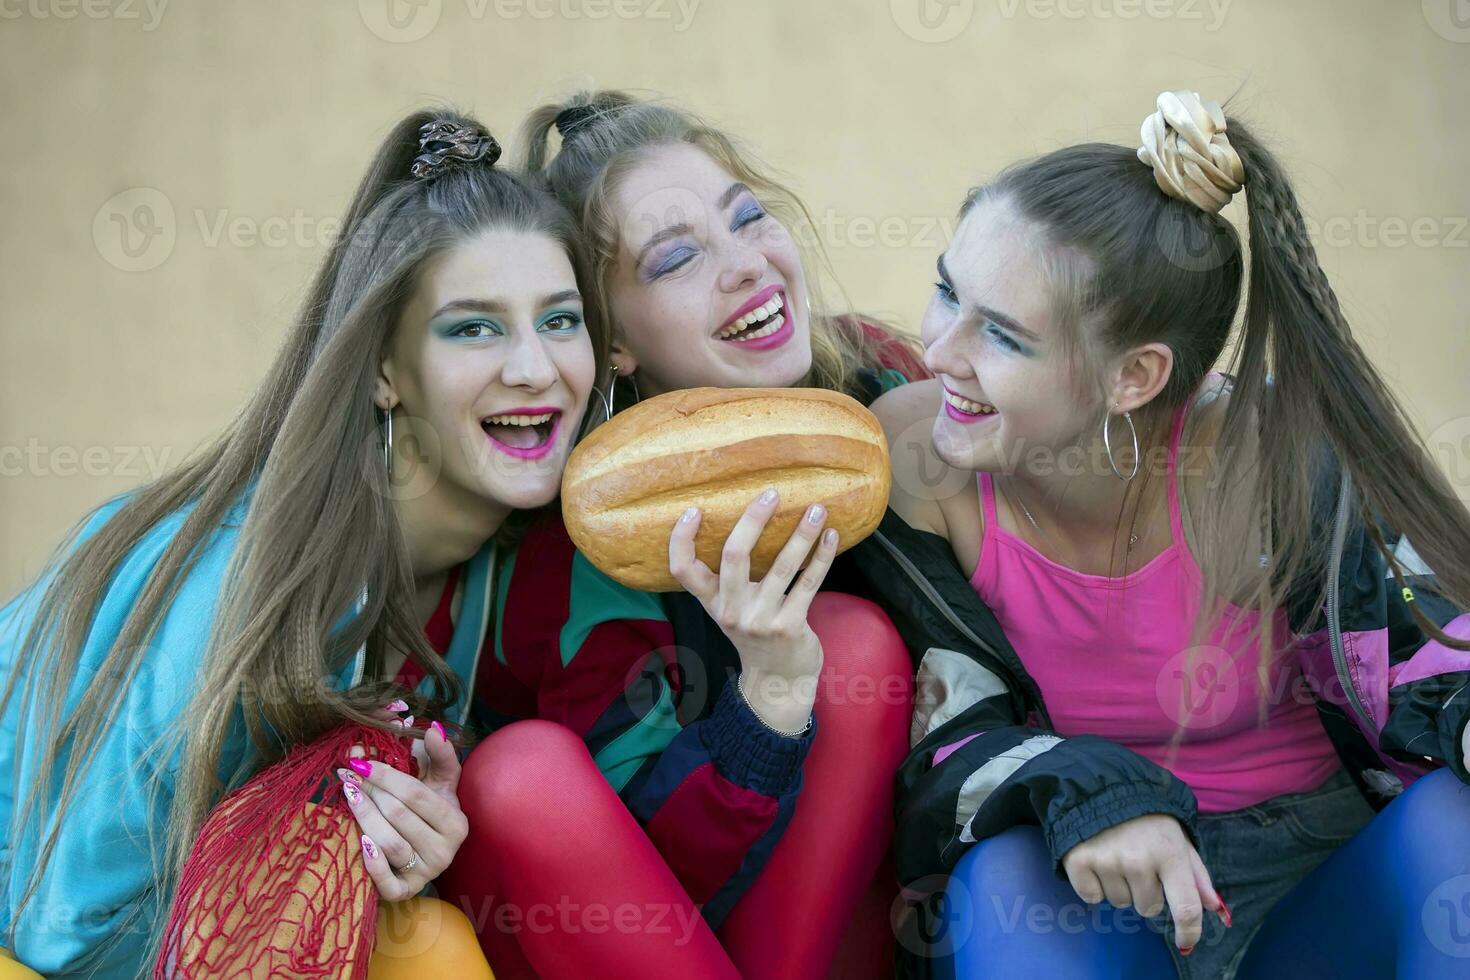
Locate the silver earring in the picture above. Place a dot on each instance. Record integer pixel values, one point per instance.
(607, 399)
(1107, 443)
(388, 444)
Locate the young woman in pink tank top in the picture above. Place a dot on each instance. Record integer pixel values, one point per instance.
(1140, 526)
(1193, 707)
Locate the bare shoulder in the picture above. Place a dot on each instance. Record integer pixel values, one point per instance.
(907, 415)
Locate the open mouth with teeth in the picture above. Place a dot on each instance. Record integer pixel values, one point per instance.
(522, 433)
(964, 410)
(760, 322)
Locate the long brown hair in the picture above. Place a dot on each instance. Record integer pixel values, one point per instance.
(305, 453)
(1131, 265)
(602, 136)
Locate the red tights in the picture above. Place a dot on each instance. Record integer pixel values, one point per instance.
(559, 879)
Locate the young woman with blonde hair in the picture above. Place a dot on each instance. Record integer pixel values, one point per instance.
(707, 284)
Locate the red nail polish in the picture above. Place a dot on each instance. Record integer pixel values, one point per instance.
(1224, 910)
(398, 705)
(440, 729)
(368, 847)
(1185, 950)
(362, 767)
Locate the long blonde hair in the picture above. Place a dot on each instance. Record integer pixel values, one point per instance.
(320, 532)
(611, 131)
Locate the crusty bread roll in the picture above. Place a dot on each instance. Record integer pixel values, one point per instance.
(628, 482)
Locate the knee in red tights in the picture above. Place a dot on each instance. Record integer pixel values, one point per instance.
(519, 748)
(551, 846)
(865, 662)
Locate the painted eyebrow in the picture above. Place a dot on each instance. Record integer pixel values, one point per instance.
(662, 235)
(991, 314)
(731, 193)
(674, 231)
(500, 308)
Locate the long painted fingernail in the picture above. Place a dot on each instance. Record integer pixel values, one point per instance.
(398, 705)
(816, 514)
(688, 515)
(405, 722)
(369, 848)
(348, 776)
(353, 794)
(1185, 950)
(362, 767)
(1224, 910)
(769, 497)
(440, 729)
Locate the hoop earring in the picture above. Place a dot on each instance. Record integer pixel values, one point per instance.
(1108, 444)
(612, 387)
(388, 444)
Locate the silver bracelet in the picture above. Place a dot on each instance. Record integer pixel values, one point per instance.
(740, 693)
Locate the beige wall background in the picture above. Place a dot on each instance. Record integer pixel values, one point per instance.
(172, 171)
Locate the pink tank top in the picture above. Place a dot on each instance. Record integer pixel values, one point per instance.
(1112, 658)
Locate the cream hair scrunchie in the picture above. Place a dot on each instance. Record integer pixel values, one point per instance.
(1185, 144)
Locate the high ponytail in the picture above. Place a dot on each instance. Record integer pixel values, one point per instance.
(1324, 383)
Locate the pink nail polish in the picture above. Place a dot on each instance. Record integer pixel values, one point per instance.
(353, 794)
(440, 729)
(407, 721)
(369, 848)
(398, 705)
(348, 776)
(362, 767)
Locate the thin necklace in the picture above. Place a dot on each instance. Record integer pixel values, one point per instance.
(1132, 538)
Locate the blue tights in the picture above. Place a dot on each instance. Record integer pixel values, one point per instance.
(1393, 900)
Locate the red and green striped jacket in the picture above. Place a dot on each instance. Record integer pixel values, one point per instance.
(644, 679)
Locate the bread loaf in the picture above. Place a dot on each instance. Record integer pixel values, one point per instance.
(628, 482)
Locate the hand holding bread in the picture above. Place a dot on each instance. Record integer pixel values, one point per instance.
(780, 656)
(726, 493)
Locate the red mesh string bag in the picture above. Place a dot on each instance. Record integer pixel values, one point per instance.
(275, 884)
